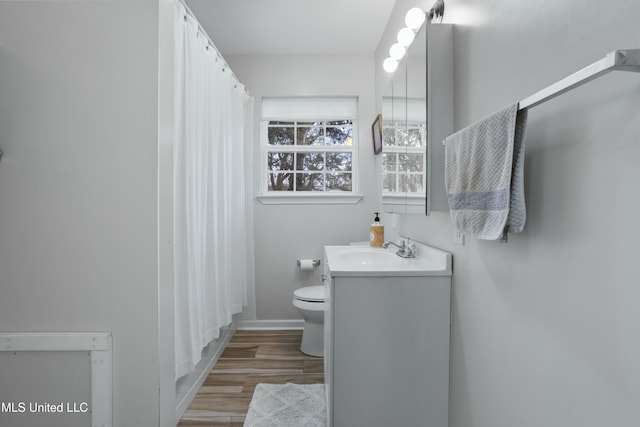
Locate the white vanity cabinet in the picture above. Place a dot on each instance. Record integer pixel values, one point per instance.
(386, 344)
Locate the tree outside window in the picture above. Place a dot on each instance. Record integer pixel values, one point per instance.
(310, 156)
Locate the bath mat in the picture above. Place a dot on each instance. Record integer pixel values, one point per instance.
(284, 405)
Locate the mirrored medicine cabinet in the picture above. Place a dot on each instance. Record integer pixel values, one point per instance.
(417, 114)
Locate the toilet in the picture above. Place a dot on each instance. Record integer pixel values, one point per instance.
(309, 300)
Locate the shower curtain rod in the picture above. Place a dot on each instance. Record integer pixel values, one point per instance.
(211, 44)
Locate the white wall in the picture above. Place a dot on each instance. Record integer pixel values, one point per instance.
(79, 183)
(285, 233)
(546, 328)
(169, 393)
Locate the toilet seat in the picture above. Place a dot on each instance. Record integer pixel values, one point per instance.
(310, 293)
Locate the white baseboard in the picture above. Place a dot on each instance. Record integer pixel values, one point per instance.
(270, 324)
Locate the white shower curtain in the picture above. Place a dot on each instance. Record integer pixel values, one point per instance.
(211, 213)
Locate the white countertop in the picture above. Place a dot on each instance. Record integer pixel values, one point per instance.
(368, 261)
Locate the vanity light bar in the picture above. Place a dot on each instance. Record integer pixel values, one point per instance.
(414, 19)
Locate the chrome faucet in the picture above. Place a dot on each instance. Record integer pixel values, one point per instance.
(407, 250)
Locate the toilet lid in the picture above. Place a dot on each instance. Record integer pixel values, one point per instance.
(310, 293)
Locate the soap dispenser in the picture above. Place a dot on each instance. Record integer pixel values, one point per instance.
(376, 237)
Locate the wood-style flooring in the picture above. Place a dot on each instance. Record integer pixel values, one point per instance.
(252, 357)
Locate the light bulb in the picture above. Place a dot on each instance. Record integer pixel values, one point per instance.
(397, 51)
(414, 18)
(390, 65)
(405, 36)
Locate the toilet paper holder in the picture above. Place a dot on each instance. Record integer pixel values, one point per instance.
(316, 262)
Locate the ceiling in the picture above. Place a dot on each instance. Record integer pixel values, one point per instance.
(293, 27)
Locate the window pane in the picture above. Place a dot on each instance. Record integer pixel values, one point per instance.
(280, 135)
(401, 136)
(388, 136)
(309, 161)
(310, 134)
(389, 162)
(339, 182)
(415, 137)
(309, 182)
(402, 183)
(389, 182)
(280, 182)
(340, 133)
(414, 183)
(411, 183)
(411, 162)
(339, 161)
(279, 161)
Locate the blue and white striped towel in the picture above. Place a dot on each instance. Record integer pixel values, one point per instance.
(484, 175)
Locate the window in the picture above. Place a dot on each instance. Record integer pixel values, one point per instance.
(403, 157)
(310, 156)
(309, 150)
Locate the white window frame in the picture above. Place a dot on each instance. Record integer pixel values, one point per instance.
(394, 149)
(308, 110)
(413, 113)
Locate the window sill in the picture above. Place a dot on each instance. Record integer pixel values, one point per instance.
(309, 199)
(404, 203)
(415, 199)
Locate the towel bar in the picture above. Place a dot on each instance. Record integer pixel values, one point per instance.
(618, 60)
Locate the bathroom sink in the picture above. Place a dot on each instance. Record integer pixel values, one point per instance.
(354, 260)
(370, 256)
